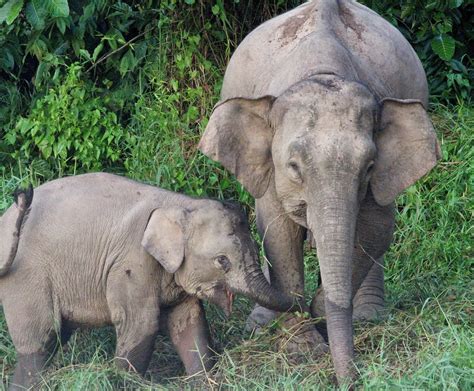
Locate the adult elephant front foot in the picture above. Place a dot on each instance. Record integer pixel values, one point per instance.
(299, 339)
(296, 336)
(259, 318)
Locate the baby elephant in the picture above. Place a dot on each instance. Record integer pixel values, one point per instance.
(99, 249)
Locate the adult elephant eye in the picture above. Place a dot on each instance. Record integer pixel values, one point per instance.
(370, 168)
(294, 169)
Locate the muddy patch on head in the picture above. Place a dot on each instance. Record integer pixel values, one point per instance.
(349, 21)
(328, 82)
(295, 28)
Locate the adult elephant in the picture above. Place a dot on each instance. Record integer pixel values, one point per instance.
(323, 119)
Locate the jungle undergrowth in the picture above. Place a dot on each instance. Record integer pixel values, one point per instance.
(426, 340)
(154, 97)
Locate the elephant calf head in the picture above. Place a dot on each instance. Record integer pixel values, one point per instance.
(211, 252)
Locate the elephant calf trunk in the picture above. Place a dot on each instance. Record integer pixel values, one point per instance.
(260, 290)
(23, 200)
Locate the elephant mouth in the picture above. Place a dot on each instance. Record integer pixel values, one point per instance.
(297, 212)
(222, 297)
(230, 301)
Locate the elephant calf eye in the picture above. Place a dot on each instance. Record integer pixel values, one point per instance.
(223, 262)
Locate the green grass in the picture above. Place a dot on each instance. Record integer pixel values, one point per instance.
(425, 342)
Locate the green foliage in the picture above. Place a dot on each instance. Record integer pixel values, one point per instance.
(10, 11)
(438, 207)
(128, 87)
(69, 126)
(426, 341)
(442, 33)
(117, 45)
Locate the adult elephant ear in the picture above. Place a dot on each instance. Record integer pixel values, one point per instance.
(407, 148)
(239, 136)
(163, 238)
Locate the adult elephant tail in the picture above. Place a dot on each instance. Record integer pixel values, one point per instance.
(13, 218)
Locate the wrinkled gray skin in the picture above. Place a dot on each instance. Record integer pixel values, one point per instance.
(99, 249)
(323, 120)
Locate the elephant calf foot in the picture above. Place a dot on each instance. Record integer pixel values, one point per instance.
(259, 318)
(28, 370)
(299, 339)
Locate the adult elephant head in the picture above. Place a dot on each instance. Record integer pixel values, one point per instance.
(323, 142)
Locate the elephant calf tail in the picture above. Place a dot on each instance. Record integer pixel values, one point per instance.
(23, 199)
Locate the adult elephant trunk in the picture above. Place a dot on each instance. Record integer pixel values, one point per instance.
(255, 286)
(332, 222)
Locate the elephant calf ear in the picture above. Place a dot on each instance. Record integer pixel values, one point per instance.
(239, 136)
(407, 148)
(164, 237)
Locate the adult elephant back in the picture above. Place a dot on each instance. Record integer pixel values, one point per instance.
(338, 37)
(323, 119)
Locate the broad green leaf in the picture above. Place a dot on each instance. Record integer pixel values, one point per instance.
(6, 59)
(443, 45)
(10, 138)
(35, 14)
(127, 62)
(61, 24)
(97, 51)
(84, 53)
(458, 66)
(10, 11)
(58, 8)
(14, 11)
(455, 3)
(40, 73)
(38, 47)
(431, 5)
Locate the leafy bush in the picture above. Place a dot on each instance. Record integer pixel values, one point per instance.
(441, 32)
(117, 57)
(69, 126)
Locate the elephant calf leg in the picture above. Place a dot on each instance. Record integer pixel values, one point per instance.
(28, 369)
(136, 341)
(34, 333)
(189, 332)
(134, 309)
(135, 347)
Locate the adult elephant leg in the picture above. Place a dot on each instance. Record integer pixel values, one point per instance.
(374, 233)
(283, 244)
(189, 332)
(369, 301)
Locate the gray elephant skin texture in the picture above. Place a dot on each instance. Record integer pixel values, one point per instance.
(323, 119)
(99, 249)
